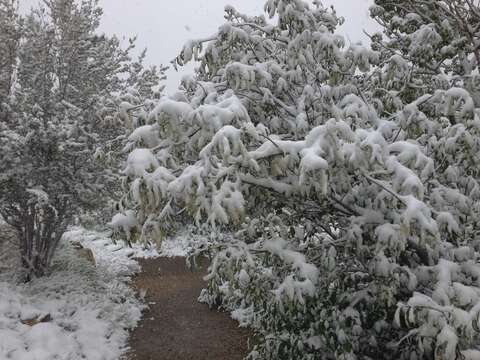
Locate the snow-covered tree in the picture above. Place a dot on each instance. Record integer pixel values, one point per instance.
(431, 53)
(342, 182)
(437, 41)
(10, 23)
(438, 36)
(65, 75)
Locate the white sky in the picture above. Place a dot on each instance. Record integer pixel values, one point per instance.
(163, 26)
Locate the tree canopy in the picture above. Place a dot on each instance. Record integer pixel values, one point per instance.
(58, 78)
(342, 182)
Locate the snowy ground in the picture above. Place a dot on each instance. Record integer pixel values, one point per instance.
(177, 246)
(91, 307)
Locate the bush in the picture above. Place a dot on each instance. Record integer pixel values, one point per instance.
(347, 180)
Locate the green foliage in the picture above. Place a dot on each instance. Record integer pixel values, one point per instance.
(346, 178)
(58, 78)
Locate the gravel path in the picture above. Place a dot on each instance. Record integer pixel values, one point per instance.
(176, 326)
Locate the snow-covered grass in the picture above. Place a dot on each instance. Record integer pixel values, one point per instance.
(180, 245)
(91, 308)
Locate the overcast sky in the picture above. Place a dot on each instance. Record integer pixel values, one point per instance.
(163, 26)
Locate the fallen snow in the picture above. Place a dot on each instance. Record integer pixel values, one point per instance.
(91, 308)
(176, 246)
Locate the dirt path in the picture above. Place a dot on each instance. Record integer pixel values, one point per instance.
(176, 326)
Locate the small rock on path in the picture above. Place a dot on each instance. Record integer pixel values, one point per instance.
(176, 326)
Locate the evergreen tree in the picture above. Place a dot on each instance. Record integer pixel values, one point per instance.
(66, 74)
(10, 23)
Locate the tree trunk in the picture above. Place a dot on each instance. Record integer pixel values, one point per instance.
(40, 234)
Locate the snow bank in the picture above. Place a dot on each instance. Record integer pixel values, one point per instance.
(90, 308)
